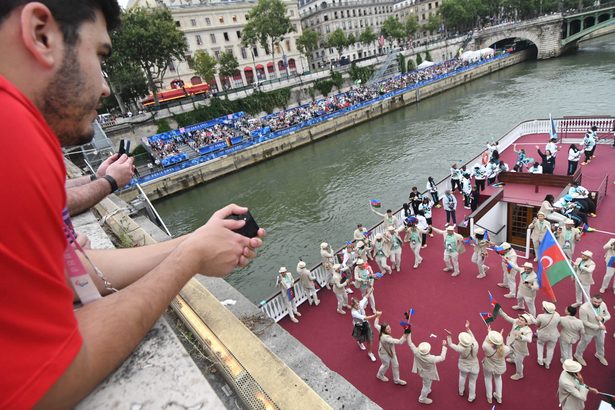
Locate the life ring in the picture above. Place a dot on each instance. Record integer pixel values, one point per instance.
(485, 158)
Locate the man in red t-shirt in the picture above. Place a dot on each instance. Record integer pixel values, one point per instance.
(50, 87)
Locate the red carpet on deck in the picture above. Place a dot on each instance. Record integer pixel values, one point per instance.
(443, 302)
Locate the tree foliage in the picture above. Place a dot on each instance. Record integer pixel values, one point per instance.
(411, 25)
(428, 56)
(204, 65)
(148, 38)
(324, 86)
(307, 42)
(337, 40)
(419, 59)
(401, 59)
(367, 36)
(268, 23)
(361, 74)
(228, 64)
(411, 65)
(434, 22)
(392, 29)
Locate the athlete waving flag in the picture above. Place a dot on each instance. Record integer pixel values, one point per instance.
(553, 266)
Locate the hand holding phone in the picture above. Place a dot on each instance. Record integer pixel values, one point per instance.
(250, 229)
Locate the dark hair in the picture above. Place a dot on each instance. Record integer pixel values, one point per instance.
(70, 14)
(383, 327)
(572, 310)
(573, 147)
(549, 198)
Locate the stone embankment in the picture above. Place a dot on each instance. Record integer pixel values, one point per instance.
(219, 167)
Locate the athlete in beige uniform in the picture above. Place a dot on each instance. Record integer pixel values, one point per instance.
(386, 352)
(468, 361)
(425, 366)
(548, 333)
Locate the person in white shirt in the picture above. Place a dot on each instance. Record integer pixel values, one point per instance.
(466, 189)
(589, 145)
(455, 178)
(535, 169)
(425, 207)
(423, 226)
(362, 330)
(480, 175)
(433, 191)
(574, 156)
(572, 330)
(492, 172)
(609, 254)
(552, 146)
(594, 315)
(359, 233)
(468, 360)
(328, 259)
(285, 283)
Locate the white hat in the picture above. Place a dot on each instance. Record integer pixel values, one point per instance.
(465, 339)
(324, 245)
(548, 306)
(572, 366)
(337, 266)
(528, 265)
(283, 269)
(360, 244)
(526, 317)
(541, 213)
(360, 261)
(495, 338)
(390, 228)
(424, 348)
(378, 236)
(505, 245)
(450, 228)
(479, 231)
(301, 265)
(589, 254)
(569, 222)
(477, 165)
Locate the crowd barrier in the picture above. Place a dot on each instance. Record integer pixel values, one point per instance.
(265, 134)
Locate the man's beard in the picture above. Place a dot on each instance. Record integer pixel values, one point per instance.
(64, 104)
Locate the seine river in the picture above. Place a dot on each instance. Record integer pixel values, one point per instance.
(320, 192)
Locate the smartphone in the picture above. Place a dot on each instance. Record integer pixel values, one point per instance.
(250, 229)
(127, 147)
(122, 149)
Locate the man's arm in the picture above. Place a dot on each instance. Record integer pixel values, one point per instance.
(112, 326)
(73, 182)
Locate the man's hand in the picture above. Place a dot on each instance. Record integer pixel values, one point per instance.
(102, 169)
(83, 241)
(121, 170)
(216, 249)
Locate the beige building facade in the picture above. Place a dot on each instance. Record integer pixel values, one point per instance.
(216, 27)
(422, 9)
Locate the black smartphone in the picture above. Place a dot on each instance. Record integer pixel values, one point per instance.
(127, 147)
(122, 149)
(250, 229)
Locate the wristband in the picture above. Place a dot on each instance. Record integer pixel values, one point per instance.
(93, 177)
(111, 182)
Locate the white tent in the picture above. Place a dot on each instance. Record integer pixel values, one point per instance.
(425, 64)
(470, 56)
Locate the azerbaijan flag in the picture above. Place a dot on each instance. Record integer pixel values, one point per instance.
(553, 266)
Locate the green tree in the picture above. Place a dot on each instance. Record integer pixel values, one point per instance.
(338, 41)
(411, 26)
(419, 60)
(360, 75)
(411, 65)
(428, 56)
(149, 39)
(269, 23)
(249, 39)
(367, 36)
(401, 59)
(392, 29)
(351, 39)
(434, 22)
(337, 80)
(204, 65)
(228, 64)
(307, 42)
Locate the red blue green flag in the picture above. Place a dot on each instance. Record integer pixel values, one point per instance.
(553, 266)
(375, 203)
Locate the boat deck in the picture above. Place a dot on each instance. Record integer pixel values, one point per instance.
(443, 302)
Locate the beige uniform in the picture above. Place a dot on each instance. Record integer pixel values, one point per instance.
(539, 228)
(394, 242)
(528, 285)
(453, 247)
(387, 353)
(306, 279)
(517, 339)
(609, 253)
(425, 366)
(328, 259)
(468, 366)
(571, 394)
(550, 213)
(585, 272)
(510, 278)
(548, 333)
(284, 283)
(479, 255)
(592, 318)
(381, 254)
(364, 281)
(494, 366)
(567, 239)
(572, 330)
(414, 236)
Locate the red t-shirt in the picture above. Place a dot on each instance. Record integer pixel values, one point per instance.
(39, 337)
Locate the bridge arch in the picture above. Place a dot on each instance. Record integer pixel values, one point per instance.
(517, 41)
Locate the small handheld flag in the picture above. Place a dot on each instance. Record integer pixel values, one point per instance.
(407, 316)
(375, 203)
(378, 275)
(290, 292)
(468, 240)
(611, 263)
(500, 250)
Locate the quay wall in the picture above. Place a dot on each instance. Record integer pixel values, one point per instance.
(193, 176)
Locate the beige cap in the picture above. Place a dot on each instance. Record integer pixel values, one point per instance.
(548, 306)
(424, 348)
(450, 228)
(495, 338)
(589, 254)
(526, 317)
(390, 228)
(540, 213)
(465, 339)
(360, 244)
(301, 265)
(360, 261)
(479, 231)
(324, 245)
(283, 269)
(569, 222)
(505, 245)
(378, 236)
(337, 266)
(572, 366)
(528, 265)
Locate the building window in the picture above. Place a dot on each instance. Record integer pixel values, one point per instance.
(255, 51)
(207, 21)
(171, 66)
(288, 45)
(212, 38)
(277, 49)
(244, 53)
(234, 19)
(238, 34)
(221, 19)
(225, 34)
(294, 27)
(429, 6)
(193, 22)
(177, 23)
(217, 54)
(326, 18)
(199, 41)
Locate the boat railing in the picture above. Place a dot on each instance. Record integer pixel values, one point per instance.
(276, 309)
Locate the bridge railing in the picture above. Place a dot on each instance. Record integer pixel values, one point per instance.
(607, 5)
(274, 306)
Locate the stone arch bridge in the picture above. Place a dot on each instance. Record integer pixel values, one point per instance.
(553, 35)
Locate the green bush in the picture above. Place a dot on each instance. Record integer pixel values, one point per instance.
(361, 73)
(428, 56)
(419, 60)
(337, 80)
(163, 126)
(323, 86)
(401, 59)
(411, 65)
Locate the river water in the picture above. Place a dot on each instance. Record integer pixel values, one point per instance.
(320, 192)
